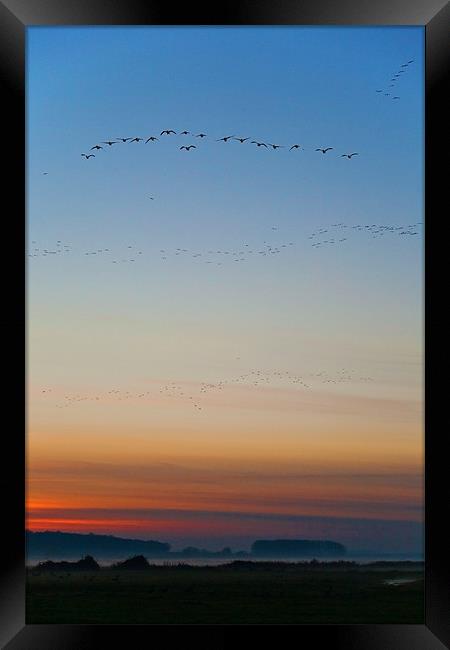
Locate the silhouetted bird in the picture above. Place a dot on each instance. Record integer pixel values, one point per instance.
(191, 146)
(324, 150)
(276, 146)
(136, 139)
(295, 146)
(259, 144)
(184, 132)
(396, 97)
(124, 139)
(167, 132)
(109, 142)
(226, 138)
(241, 140)
(91, 155)
(349, 155)
(151, 139)
(201, 135)
(96, 147)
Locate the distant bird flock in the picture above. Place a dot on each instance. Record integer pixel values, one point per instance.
(336, 233)
(106, 144)
(184, 394)
(390, 88)
(268, 247)
(374, 230)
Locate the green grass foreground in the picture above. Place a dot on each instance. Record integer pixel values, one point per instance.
(219, 595)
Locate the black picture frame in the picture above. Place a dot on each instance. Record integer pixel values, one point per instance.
(15, 17)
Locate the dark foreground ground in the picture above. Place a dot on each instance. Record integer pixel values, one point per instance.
(218, 595)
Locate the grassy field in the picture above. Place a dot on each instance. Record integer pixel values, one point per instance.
(218, 595)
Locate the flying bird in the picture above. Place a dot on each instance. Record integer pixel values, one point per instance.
(91, 155)
(201, 135)
(124, 139)
(168, 132)
(184, 132)
(396, 97)
(96, 147)
(136, 139)
(151, 139)
(259, 144)
(294, 146)
(349, 155)
(241, 140)
(109, 142)
(324, 150)
(191, 146)
(276, 146)
(226, 138)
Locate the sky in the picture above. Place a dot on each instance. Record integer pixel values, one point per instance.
(226, 343)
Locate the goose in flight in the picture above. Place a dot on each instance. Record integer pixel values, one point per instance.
(109, 142)
(295, 146)
(324, 150)
(201, 135)
(184, 132)
(276, 146)
(124, 139)
(91, 155)
(96, 147)
(191, 146)
(396, 97)
(349, 155)
(379, 91)
(136, 139)
(151, 139)
(259, 144)
(226, 138)
(241, 140)
(167, 132)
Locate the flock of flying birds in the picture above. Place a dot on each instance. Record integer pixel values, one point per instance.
(184, 394)
(187, 147)
(393, 82)
(386, 92)
(374, 230)
(243, 252)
